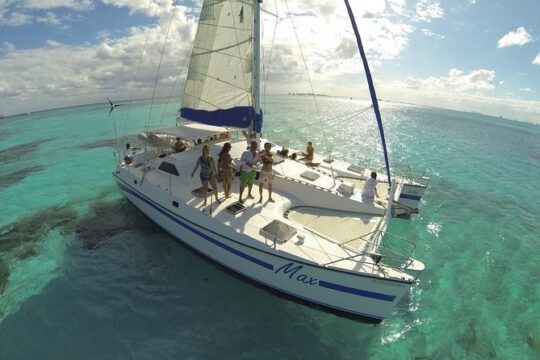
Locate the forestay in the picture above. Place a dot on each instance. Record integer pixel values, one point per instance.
(219, 83)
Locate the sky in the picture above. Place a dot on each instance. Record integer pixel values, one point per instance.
(467, 55)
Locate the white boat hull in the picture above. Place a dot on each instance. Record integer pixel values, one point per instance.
(411, 194)
(349, 293)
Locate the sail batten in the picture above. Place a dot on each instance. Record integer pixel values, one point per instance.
(219, 83)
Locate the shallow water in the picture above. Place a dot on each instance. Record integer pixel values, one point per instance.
(84, 275)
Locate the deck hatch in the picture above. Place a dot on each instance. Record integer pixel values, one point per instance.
(355, 168)
(310, 175)
(236, 208)
(199, 192)
(278, 231)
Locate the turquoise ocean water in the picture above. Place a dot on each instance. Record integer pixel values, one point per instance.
(84, 275)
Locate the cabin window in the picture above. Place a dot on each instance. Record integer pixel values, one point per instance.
(168, 168)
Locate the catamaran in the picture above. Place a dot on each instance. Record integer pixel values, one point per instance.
(320, 241)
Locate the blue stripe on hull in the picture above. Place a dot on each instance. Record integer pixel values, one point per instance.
(355, 291)
(322, 283)
(204, 236)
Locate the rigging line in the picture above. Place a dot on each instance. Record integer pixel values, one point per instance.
(202, 100)
(250, 101)
(210, 51)
(137, 74)
(307, 73)
(350, 116)
(182, 66)
(270, 56)
(291, 134)
(159, 68)
(220, 26)
(221, 53)
(183, 92)
(242, 90)
(353, 115)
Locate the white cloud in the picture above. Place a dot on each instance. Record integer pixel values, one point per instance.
(24, 12)
(49, 18)
(471, 2)
(519, 37)
(476, 81)
(51, 4)
(526, 89)
(58, 75)
(430, 33)
(537, 60)
(432, 93)
(398, 6)
(16, 19)
(427, 10)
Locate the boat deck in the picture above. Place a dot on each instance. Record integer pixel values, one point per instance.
(333, 227)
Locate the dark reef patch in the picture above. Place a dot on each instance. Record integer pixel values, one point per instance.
(18, 236)
(132, 139)
(4, 275)
(5, 134)
(15, 153)
(18, 175)
(107, 219)
(99, 144)
(19, 239)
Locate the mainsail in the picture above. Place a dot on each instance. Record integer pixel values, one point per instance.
(219, 83)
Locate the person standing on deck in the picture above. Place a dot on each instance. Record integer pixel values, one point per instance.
(370, 188)
(248, 160)
(208, 172)
(128, 155)
(267, 175)
(225, 168)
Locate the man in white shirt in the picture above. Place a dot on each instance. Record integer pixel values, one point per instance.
(370, 188)
(248, 160)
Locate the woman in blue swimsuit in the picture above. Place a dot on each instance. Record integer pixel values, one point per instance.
(208, 172)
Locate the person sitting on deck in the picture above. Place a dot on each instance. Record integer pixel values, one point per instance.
(267, 175)
(128, 155)
(309, 155)
(179, 146)
(310, 152)
(248, 160)
(370, 188)
(208, 172)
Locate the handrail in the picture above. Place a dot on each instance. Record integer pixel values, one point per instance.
(406, 172)
(383, 251)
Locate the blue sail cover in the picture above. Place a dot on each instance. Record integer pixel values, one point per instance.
(219, 83)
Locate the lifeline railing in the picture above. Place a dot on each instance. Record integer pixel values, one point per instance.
(409, 174)
(380, 255)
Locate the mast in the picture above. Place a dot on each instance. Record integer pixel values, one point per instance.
(371, 88)
(256, 84)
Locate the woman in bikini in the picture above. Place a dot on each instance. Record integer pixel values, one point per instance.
(226, 169)
(208, 172)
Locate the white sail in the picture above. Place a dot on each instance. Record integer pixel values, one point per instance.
(219, 84)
